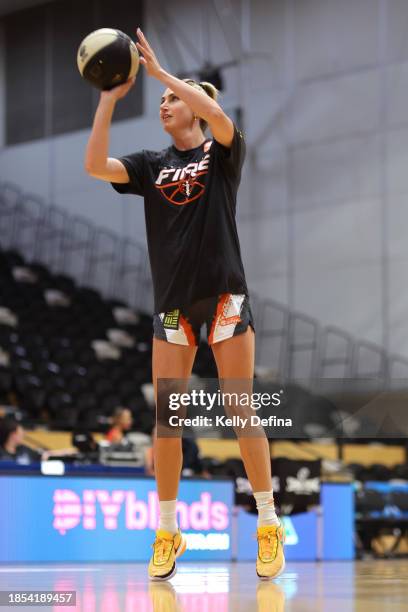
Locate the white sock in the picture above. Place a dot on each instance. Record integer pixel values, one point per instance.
(167, 518)
(266, 508)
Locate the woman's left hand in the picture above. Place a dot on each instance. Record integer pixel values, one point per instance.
(148, 58)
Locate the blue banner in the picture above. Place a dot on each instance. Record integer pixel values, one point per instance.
(107, 519)
(302, 530)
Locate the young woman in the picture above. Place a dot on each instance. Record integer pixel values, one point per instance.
(189, 192)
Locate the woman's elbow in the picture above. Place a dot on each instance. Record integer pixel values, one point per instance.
(90, 169)
(216, 113)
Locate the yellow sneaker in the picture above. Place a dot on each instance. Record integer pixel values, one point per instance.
(166, 548)
(270, 561)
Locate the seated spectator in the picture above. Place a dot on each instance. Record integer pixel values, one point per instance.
(11, 443)
(121, 423)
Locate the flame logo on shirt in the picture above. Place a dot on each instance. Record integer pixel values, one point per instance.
(183, 185)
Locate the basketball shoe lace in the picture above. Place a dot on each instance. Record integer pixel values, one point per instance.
(268, 545)
(162, 548)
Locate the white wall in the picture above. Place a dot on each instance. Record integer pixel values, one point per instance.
(323, 204)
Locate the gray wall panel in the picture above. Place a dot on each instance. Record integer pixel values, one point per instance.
(349, 297)
(329, 238)
(397, 95)
(397, 161)
(334, 107)
(396, 30)
(397, 243)
(271, 287)
(266, 245)
(337, 171)
(398, 306)
(268, 38)
(332, 36)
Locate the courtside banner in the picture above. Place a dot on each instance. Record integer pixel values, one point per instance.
(104, 519)
(308, 537)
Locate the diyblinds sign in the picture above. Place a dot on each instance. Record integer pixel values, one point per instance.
(105, 519)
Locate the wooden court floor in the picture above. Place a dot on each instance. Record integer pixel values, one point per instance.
(361, 586)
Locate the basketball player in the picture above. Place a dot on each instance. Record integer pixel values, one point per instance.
(189, 192)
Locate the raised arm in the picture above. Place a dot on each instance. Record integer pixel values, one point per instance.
(97, 161)
(202, 105)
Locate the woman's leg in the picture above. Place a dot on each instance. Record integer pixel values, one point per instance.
(235, 360)
(169, 361)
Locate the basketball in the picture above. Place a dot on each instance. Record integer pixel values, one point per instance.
(107, 58)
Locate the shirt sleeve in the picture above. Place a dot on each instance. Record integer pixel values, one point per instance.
(232, 157)
(134, 164)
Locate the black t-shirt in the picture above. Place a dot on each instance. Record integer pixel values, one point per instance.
(190, 205)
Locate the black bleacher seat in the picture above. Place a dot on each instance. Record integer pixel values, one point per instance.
(379, 472)
(6, 383)
(381, 513)
(88, 419)
(77, 385)
(87, 357)
(102, 387)
(86, 401)
(129, 388)
(117, 373)
(53, 365)
(108, 402)
(369, 501)
(13, 258)
(64, 283)
(399, 499)
(400, 471)
(30, 392)
(61, 406)
(43, 274)
(54, 383)
(21, 365)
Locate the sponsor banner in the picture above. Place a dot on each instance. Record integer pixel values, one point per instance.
(106, 519)
(309, 535)
(296, 484)
(301, 540)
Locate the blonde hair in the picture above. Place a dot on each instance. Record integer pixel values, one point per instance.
(209, 89)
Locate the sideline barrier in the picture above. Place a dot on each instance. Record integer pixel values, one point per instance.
(112, 519)
(326, 533)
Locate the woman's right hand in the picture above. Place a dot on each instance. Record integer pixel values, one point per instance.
(119, 91)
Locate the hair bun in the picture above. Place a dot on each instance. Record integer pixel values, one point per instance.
(209, 89)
